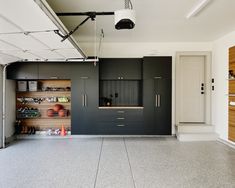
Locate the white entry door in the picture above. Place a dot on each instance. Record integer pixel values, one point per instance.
(192, 89)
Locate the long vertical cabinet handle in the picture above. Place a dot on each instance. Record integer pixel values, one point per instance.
(85, 99)
(159, 100)
(156, 100)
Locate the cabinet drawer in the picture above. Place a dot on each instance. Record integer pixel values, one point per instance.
(120, 115)
(124, 128)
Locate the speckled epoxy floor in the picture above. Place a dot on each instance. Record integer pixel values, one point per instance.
(116, 163)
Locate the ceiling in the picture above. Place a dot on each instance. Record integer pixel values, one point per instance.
(27, 33)
(156, 20)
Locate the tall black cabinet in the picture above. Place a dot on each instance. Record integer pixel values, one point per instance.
(157, 89)
(84, 98)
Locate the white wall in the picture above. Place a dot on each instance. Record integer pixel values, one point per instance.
(220, 73)
(1, 68)
(117, 50)
(144, 49)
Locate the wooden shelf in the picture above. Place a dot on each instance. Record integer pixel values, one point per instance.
(43, 121)
(44, 92)
(44, 103)
(68, 117)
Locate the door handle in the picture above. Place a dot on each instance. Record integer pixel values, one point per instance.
(121, 112)
(120, 118)
(120, 125)
(159, 100)
(54, 77)
(156, 100)
(202, 88)
(157, 77)
(85, 99)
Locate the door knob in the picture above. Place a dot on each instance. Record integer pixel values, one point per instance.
(202, 88)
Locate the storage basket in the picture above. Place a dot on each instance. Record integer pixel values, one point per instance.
(22, 85)
(33, 85)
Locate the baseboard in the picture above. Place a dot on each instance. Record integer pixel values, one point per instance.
(42, 136)
(227, 143)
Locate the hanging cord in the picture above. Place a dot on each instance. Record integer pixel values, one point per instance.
(95, 43)
(100, 42)
(128, 4)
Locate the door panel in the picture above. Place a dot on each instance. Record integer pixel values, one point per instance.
(116, 68)
(54, 71)
(163, 106)
(157, 106)
(22, 71)
(157, 95)
(149, 106)
(192, 86)
(157, 67)
(85, 99)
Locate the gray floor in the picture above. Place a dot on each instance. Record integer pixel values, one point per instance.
(116, 163)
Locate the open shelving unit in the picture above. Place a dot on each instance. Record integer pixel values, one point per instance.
(49, 93)
(231, 109)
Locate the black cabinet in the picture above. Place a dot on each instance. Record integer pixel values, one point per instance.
(157, 89)
(54, 70)
(84, 98)
(157, 67)
(120, 82)
(22, 71)
(120, 68)
(120, 121)
(39, 70)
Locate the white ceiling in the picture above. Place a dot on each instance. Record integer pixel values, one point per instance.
(19, 17)
(157, 20)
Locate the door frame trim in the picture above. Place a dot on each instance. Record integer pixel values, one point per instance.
(208, 58)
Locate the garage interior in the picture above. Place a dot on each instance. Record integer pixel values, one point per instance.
(117, 94)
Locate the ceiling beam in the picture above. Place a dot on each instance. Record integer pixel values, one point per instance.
(84, 13)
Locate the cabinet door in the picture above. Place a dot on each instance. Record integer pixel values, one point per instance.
(162, 110)
(54, 71)
(149, 103)
(120, 68)
(21, 71)
(157, 106)
(157, 95)
(84, 100)
(157, 67)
